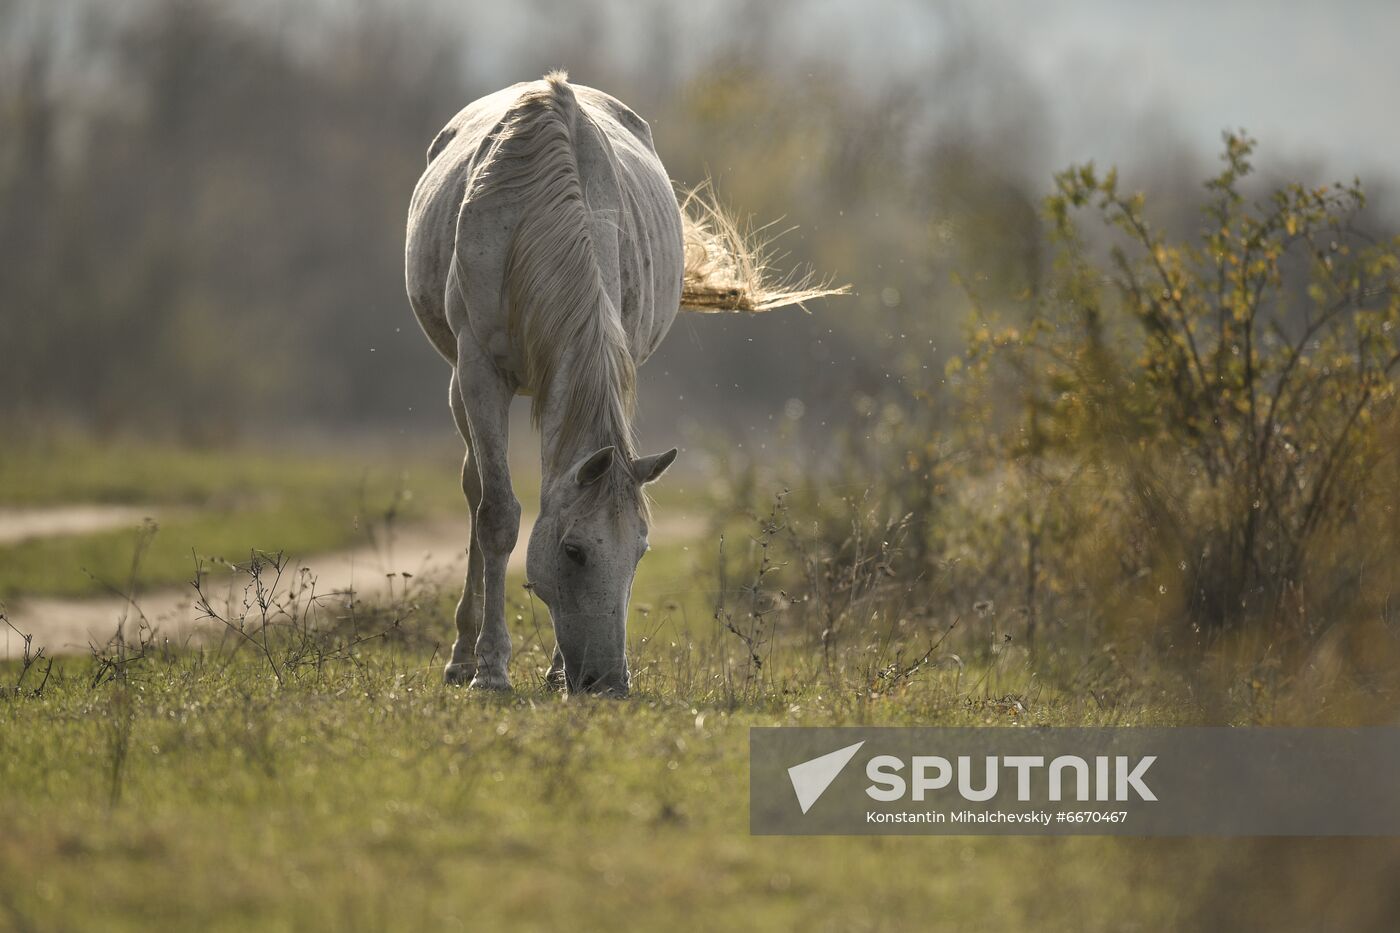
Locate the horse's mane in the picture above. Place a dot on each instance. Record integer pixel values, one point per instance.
(553, 284)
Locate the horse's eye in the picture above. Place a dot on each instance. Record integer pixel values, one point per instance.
(575, 554)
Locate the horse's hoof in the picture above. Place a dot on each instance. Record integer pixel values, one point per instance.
(485, 680)
(458, 673)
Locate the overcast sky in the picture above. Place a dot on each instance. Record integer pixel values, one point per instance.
(1318, 80)
(1315, 80)
(1311, 80)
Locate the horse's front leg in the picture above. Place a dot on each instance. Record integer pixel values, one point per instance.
(462, 668)
(486, 397)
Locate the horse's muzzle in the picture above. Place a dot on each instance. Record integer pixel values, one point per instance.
(593, 646)
(609, 681)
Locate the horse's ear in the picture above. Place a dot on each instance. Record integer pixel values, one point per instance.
(595, 467)
(649, 469)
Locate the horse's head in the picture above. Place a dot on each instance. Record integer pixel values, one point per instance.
(589, 537)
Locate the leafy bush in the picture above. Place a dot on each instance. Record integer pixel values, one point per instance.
(1222, 398)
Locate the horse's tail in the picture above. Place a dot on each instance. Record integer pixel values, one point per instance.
(728, 266)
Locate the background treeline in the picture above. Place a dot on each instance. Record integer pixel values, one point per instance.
(202, 204)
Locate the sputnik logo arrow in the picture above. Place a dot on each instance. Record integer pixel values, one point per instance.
(811, 778)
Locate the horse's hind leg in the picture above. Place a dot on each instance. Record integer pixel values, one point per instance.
(555, 677)
(462, 668)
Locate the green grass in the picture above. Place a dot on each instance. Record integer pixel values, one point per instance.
(376, 799)
(62, 470)
(370, 797)
(84, 565)
(358, 793)
(218, 503)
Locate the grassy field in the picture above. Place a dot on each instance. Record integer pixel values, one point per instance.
(220, 503)
(333, 782)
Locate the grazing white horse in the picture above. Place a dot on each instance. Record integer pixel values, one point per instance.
(547, 256)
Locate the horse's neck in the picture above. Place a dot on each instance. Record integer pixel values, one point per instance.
(606, 427)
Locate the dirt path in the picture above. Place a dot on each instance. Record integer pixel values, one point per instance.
(435, 551)
(21, 524)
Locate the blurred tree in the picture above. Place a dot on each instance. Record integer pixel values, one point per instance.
(226, 238)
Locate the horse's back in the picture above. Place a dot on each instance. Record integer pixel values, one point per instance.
(635, 220)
